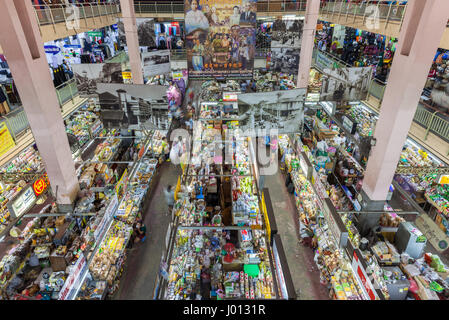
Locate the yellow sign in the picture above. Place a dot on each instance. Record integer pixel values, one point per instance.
(444, 180)
(178, 188)
(6, 141)
(126, 75)
(422, 153)
(265, 215)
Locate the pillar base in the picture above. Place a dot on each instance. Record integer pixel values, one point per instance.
(65, 208)
(370, 205)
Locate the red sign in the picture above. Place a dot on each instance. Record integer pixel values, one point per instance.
(40, 185)
(362, 276)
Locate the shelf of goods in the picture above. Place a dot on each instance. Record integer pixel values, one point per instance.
(366, 120)
(28, 161)
(84, 125)
(315, 82)
(245, 203)
(424, 187)
(105, 151)
(107, 263)
(334, 265)
(233, 272)
(325, 129)
(156, 148)
(38, 266)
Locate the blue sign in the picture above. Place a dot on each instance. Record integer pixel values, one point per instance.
(52, 49)
(75, 46)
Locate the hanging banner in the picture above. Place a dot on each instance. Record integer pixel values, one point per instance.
(130, 106)
(220, 38)
(88, 75)
(281, 110)
(6, 141)
(345, 84)
(286, 45)
(156, 62)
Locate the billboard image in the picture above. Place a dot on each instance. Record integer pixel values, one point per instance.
(220, 38)
(131, 106)
(155, 62)
(88, 75)
(345, 84)
(281, 110)
(287, 33)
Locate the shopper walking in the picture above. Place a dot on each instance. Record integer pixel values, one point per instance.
(170, 198)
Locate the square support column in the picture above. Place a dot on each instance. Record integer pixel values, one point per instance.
(307, 42)
(423, 27)
(132, 40)
(23, 47)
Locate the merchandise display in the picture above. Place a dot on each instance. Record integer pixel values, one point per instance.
(335, 267)
(84, 125)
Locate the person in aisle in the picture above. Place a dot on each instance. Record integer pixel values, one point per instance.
(140, 231)
(166, 149)
(176, 151)
(169, 194)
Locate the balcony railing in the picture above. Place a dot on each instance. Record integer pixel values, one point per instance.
(371, 11)
(17, 120)
(155, 7)
(431, 121)
(61, 13)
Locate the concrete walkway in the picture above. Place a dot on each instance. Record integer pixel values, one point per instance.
(142, 267)
(304, 272)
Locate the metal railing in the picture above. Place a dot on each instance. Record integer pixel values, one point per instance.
(377, 89)
(370, 11)
(57, 13)
(66, 91)
(173, 7)
(17, 121)
(432, 122)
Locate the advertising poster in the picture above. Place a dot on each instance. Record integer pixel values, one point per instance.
(345, 84)
(156, 62)
(6, 141)
(281, 110)
(220, 38)
(88, 75)
(130, 106)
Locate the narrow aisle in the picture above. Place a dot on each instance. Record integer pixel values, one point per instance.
(304, 272)
(142, 267)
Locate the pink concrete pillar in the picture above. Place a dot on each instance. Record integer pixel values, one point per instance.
(421, 32)
(132, 41)
(307, 42)
(23, 47)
